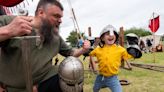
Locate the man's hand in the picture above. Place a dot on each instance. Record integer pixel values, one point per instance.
(20, 25)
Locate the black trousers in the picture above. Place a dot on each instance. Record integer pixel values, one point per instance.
(50, 85)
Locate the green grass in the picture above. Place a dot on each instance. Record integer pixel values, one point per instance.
(141, 80)
(150, 57)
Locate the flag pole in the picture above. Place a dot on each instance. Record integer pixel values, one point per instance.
(153, 40)
(154, 25)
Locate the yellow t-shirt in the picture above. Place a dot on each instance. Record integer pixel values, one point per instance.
(109, 58)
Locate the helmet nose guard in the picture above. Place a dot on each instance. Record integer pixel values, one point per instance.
(71, 73)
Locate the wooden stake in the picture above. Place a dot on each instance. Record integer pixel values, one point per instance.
(92, 62)
(121, 37)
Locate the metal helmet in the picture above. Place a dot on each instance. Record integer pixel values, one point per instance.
(132, 39)
(112, 30)
(132, 35)
(134, 50)
(22, 11)
(71, 74)
(132, 45)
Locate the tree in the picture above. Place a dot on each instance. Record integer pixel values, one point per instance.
(138, 31)
(162, 37)
(73, 38)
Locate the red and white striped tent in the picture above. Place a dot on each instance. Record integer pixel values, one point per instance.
(8, 7)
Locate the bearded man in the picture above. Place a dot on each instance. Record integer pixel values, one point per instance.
(45, 24)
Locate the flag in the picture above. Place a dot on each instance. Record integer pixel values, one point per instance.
(154, 24)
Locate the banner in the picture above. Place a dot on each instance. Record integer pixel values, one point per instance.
(154, 24)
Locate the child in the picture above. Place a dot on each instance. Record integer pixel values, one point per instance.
(109, 56)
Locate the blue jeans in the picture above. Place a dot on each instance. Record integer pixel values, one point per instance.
(111, 82)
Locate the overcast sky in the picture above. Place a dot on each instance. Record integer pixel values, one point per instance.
(99, 13)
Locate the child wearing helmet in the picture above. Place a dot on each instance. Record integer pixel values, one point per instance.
(109, 55)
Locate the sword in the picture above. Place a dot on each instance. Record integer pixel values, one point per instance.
(25, 60)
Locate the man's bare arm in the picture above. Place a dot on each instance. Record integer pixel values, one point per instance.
(85, 48)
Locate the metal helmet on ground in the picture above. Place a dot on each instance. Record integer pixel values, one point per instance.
(71, 74)
(112, 30)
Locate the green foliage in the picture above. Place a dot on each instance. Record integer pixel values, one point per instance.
(72, 38)
(162, 38)
(138, 31)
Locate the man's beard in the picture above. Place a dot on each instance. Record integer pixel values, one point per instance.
(46, 31)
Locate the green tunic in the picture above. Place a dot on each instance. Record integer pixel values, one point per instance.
(11, 69)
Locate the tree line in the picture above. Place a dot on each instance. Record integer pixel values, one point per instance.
(74, 36)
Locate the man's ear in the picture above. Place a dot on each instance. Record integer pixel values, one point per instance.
(40, 12)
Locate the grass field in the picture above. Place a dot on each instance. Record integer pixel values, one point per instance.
(141, 80)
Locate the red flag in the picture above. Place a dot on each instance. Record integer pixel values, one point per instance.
(154, 24)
